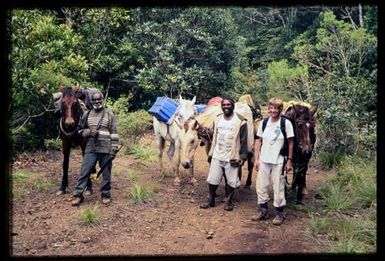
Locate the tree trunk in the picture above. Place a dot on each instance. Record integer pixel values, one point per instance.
(360, 15)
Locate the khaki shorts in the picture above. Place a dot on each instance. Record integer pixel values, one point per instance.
(218, 168)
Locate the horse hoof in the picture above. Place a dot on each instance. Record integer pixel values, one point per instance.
(60, 192)
(176, 181)
(299, 202)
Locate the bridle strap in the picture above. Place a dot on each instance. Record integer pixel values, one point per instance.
(68, 134)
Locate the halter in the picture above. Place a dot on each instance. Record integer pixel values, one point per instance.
(68, 134)
(71, 133)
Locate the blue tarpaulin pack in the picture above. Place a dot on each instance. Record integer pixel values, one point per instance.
(163, 109)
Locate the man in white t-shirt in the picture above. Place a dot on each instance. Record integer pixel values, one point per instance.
(227, 154)
(270, 163)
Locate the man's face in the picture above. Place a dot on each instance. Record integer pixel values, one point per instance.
(227, 107)
(97, 101)
(274, 111)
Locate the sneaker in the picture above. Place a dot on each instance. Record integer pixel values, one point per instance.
(262, 214)
(77, 201)
(278, 219)
(106, 200)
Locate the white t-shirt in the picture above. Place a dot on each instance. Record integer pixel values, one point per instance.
(225, 136)
(272, 140)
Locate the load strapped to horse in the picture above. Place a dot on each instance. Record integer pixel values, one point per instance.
(245, 107)
(176, 123)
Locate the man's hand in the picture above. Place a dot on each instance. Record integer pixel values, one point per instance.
(289, 166)
(241, 162)
(94, 133)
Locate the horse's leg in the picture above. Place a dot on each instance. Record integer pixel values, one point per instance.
(161, 142)
(250, 167)
(176, 163)
(299, 189)
(192, 178)
(66, 148)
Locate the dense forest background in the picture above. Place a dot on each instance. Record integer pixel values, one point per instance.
(318, 54)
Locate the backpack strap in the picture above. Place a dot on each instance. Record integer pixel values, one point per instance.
(283, 128)
(264, 123)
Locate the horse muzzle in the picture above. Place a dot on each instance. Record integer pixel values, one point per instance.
(186, 165)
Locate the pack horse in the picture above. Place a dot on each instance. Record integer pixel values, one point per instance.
(71, 113)
(180, 131)
(303, 119)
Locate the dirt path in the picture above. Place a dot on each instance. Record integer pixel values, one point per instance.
(170, 223)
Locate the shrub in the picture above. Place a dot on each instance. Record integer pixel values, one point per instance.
(53, 144)
(89, 216)
(132, 126)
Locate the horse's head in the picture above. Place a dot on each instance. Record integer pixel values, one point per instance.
(70, 106)
(303, 119)
(189, 141)
(186, 111)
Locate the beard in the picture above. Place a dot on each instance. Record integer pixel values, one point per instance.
(97, 107)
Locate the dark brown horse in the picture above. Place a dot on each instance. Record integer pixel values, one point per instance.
(303, 120)
(71, 112)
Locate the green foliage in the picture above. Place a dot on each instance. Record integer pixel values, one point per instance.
(139, 193)
(120, 106)
(43, 54)
(288, 83)
(141, 53)
(329, 160)
(53, 144)
(349, 201)
(132, 126)
(89, 216)
(44, 186)
(318, 225)
(340, 60)
(140, 152)
(24, 181)
(132, 175)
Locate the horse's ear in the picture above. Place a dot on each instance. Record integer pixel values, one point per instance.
(196, 125)
(290, 112)
(313, 110)
(193, 100)
(296, 108)
(61, 87)
(76, 87)
(180, 98)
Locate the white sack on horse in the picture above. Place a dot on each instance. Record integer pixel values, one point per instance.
(206, 119)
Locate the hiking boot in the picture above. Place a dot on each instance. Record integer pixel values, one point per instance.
(209, 204)
(77, 201)
(229, 206)
(211, 199)
(106, 200)
(229, 196)
(60, 192)
(278, 219)
(261, 215)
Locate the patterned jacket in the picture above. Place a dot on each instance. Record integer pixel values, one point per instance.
(107, 140)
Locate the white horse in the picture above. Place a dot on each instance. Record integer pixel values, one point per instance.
(183, 138)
